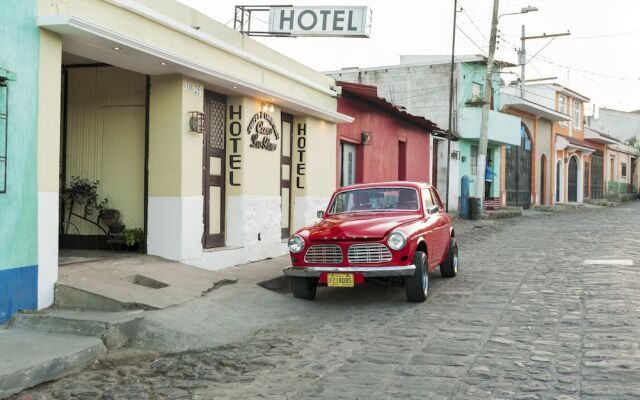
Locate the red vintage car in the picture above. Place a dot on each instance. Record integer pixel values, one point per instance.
(375, 230)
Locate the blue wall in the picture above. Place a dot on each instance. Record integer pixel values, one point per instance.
(19, 53)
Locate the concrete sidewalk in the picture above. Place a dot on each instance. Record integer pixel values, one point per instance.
(194, 314)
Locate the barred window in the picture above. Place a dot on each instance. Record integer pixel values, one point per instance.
(474, 160)
(4, 112)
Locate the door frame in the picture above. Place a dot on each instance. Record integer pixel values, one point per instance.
(218, 239)
(284, 117)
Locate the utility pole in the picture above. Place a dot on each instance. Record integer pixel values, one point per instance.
(522, 54)
(488, 93)
(453, 52)
(522, 61)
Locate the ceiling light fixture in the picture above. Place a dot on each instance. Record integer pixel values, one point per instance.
(163, 63)
(116, 48)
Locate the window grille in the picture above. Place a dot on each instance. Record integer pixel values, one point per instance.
(4, 113)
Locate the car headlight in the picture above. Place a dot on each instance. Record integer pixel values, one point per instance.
(296, 244)
(397, 240)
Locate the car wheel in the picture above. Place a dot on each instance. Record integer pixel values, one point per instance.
(449, 268)
(417, 285)
(304, 288)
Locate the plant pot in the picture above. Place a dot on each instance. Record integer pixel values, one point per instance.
(116, 228)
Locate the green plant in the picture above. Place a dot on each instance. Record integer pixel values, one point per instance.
(134, 237)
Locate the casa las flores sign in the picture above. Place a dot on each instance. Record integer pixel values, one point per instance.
(261, 129)
(321, 21)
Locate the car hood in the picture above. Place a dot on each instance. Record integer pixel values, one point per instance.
(360, 226)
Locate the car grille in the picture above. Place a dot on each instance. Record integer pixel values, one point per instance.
(323, 254)
(368, 253)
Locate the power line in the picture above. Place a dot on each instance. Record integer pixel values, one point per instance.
(606, 35)
(472, 41)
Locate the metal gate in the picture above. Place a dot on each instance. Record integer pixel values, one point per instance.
(573, 180)
(518, 179)
(214, 168)
(596, 175)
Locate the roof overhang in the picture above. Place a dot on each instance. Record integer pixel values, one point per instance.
(529, 107)
(89, 40)
(564, 144)
(595, 136)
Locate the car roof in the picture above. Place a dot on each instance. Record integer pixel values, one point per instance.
(407, 184)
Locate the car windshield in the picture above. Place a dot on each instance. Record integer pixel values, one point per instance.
(375, 199)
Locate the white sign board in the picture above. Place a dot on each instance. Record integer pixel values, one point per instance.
(321, 21)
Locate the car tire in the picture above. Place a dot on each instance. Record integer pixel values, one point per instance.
(304, 288)
(449, 267)
(417, 285)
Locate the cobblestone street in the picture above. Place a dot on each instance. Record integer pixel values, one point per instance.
(532, 315)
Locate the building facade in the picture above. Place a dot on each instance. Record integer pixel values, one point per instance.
(211, 144)
(20, 267)
(535, 172)
(383, 143)
(577, 166)
(421, 83)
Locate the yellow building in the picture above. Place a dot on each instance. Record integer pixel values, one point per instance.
(213, 144)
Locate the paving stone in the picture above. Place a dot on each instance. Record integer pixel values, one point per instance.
(524, 319)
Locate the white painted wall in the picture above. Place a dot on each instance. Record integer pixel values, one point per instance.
(47, 246)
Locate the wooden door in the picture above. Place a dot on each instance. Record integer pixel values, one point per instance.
(214, 169)
(285, 173)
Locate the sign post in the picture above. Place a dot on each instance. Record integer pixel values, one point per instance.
(308, 21)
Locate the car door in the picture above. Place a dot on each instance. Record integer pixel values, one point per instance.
(442, 232)
(431, 231)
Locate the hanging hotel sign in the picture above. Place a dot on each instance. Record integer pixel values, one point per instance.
(321, 21)
(261, 129)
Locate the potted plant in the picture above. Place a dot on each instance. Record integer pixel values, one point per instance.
(110, 217)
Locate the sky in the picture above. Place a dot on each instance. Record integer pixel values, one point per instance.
(600, 59)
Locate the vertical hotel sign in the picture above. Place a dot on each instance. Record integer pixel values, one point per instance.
(347, 21)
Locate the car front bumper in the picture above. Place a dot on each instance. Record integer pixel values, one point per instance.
(368, 272)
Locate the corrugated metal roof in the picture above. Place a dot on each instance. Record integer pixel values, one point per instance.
(369, 94)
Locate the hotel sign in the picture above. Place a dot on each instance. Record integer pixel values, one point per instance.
(321, 21)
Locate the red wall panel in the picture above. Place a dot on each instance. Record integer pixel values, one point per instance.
(378, 161)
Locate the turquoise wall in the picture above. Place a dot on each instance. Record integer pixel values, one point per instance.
(469, 73)
(19, 51)
(465, 167)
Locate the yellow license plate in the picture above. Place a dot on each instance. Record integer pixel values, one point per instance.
(340, 280)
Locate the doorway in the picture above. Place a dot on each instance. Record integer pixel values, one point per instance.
(347, 164)
(543, 183)
(215, 106)
(572, 191)
(597, 174)
(285, 174)
(518, 176)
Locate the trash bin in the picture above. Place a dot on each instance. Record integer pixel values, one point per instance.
(475, 208)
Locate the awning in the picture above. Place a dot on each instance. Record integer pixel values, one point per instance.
(574, 144)
(597, 136)
(520, 104)
(89, 40)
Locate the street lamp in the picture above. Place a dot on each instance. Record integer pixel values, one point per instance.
(523, 10)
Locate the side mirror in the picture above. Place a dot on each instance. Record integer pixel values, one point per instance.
(320, 214)
(433, 209)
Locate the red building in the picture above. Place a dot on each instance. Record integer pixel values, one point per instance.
(383, 143)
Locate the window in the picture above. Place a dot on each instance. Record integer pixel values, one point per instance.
(436, 198)
(428, 201)
(375, 199)
(474, 160)
(476, 92)
(623, 170)
(576, 115)
(4, 112)
(562, 106)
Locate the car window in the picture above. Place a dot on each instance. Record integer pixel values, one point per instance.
(375, 199)
(436, 198)
(426, 197)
